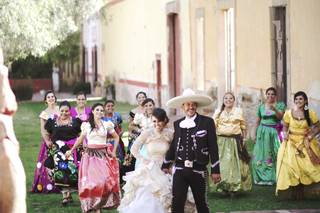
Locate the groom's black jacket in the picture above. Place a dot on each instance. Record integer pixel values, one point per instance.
(197, 144)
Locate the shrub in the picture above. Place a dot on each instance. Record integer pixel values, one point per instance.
(23, 92)
(84, 87)
(31, 67)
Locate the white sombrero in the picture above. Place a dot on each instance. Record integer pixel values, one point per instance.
(189, 95)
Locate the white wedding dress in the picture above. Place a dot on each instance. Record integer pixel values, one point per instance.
(148, 188)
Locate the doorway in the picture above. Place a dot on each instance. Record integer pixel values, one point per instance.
(279, 51)
(174, 55)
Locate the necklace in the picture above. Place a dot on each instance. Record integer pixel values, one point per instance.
(298, 115)
(65, 122)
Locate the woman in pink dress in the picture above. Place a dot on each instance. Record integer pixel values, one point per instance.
(81, 110)
(98, 182)
(41, 182)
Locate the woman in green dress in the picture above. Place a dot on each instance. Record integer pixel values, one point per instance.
(268, 139)
(234, 158)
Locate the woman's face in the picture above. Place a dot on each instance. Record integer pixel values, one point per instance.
(109, 108)
(228, 100)
(271, 96)
(299, 101)
(148, 107)
(158, 125)
(50, 99)
(141, 97)
(98, 112)
(81, 101)
(64, 112)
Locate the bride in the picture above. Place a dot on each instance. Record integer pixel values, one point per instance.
(148, 189)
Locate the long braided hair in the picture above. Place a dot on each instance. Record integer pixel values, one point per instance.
(91, 116)
(223, 106)
(306, 108)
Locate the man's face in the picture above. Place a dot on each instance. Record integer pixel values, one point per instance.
(189, 108)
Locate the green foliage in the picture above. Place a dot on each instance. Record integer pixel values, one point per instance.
(34, 27)
(31, 67)
(84, 87)
(23, 92)
(67, 50)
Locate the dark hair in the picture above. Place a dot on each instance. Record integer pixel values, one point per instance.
(160, 114)
(81, 93)
(147, 100)
(141, 92)
(108, 101)
(272, 89)
(47, 93)
(65, 103)
(306, 109)
(91, 117)
(223, 106)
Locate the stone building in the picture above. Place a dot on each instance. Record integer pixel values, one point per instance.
(244, 46)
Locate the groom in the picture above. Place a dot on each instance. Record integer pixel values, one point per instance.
(193, 144)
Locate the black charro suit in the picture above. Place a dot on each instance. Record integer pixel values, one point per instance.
(198, 145)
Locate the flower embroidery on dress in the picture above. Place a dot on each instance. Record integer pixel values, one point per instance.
(269, 162)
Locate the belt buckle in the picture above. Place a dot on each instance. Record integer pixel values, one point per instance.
(188, 163)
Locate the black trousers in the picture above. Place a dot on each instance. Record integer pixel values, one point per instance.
(182, 179)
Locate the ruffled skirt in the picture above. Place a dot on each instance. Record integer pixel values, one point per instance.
(235, 173)
(98, 180)
(147, 189)
(264, 157)
(42, 183)
(296, 168)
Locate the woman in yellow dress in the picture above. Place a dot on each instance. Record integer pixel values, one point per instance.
(234, 158)
(298, 164)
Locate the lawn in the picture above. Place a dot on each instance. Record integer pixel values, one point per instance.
(27, 127)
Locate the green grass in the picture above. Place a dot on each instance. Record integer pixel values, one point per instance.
(27, 127)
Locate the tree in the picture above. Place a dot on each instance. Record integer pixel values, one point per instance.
(35, 26)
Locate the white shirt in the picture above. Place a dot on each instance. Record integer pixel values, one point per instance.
(188, 122)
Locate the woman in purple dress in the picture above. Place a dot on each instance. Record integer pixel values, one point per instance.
(81, 110)
(42, 183)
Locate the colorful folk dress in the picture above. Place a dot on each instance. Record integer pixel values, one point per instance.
(116, 119)
(98, 183)
(234, 158)
(42, 183)
(299, 158)
(65, 171)
(265, 150)
(83, 116)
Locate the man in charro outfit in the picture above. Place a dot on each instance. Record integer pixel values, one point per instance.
(194, 143)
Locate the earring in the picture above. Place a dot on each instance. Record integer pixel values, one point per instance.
(306, 107)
